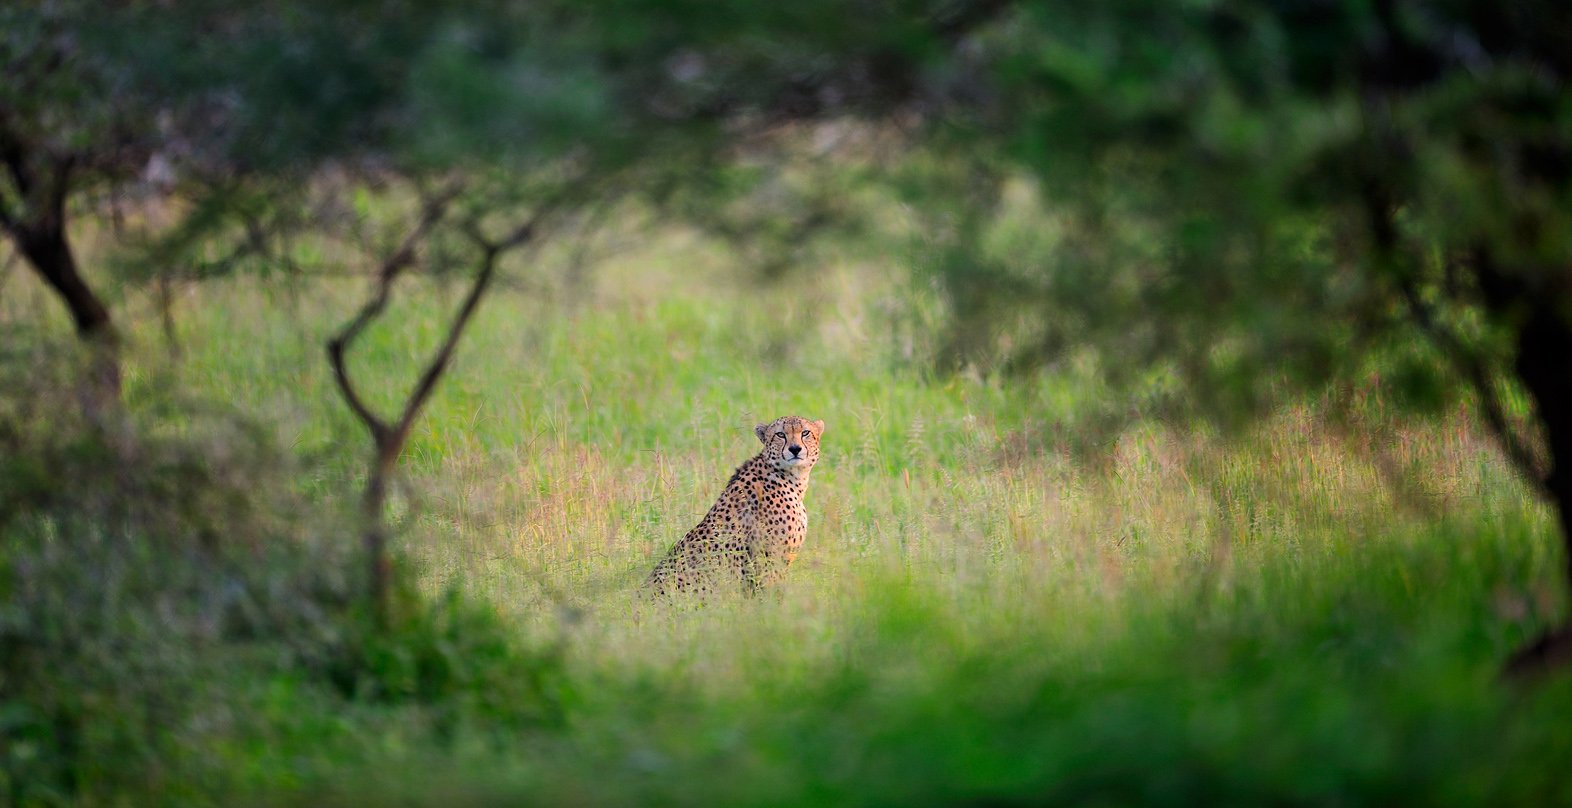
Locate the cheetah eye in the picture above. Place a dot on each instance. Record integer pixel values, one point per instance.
(780, 434)
(805, 433)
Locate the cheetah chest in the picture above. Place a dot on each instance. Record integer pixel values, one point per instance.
(782, 520)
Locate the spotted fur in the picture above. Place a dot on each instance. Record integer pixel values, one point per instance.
(755, 530)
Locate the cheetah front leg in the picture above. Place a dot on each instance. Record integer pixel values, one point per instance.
(756, 570)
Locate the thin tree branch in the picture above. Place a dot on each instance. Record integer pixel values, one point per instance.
(12, 155)
(1472, 368)
(591, 222)
(444, 355)
(491, 251)
(432, 212)
(523, 232)
(60, 187)
(389, 438)
(1380, 216)
(6, 267)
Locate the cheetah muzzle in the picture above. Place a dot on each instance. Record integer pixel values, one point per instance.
(755, 529)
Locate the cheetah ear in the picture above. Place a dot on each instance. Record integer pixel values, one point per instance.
(818, 427)
(760, 430)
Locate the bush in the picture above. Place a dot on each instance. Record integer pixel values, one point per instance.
(457, 656)
(159, 570)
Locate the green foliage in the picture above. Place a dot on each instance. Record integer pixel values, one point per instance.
(976, 620)
(1247, 199)
(1293, 688)
(1195, 211)
(156, 570)
(136, 561)
(219, 88)
(457, 657)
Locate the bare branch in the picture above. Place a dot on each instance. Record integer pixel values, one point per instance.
(1469, 364)
(587, 227)
(5, 268)
(389, 438)
(432, 211)
(525, 231)
(11, 154)
(1381, 219)
(60, 186)
(491, 252)
(377, 427)
(444, 355)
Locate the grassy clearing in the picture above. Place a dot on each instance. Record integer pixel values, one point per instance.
(1300, 615)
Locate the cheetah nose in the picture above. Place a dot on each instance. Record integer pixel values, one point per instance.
(795, 450)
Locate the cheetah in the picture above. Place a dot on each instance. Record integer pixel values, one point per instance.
(754, 531)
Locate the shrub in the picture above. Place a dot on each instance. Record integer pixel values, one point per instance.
(157, 569)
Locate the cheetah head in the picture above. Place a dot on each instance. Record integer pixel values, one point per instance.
(791, 443)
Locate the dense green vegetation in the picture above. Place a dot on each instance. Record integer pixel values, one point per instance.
(1198, 380)
(981, 617)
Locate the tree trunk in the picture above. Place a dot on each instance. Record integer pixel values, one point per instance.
(47, 248)
(1544, 365)
(166, 317)
(373, 504)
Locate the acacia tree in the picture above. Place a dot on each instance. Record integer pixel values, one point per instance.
(1242, 198)
(220, 104)
(235, 110)
(1225, 201)
(231, 108)
(390, 434)
(1238, 198)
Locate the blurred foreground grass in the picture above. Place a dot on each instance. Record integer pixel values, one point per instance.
(1305, 614)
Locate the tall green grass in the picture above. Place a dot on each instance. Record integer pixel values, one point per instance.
(1300, 614)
